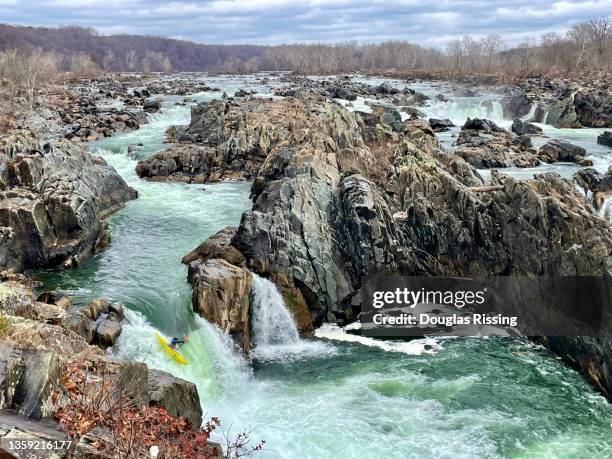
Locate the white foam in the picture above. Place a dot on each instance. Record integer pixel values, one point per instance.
(413, 347)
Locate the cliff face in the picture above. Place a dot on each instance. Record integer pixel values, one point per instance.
(54, 196)
(344, 195)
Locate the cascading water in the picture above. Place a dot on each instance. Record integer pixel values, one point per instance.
(272, 321)
(275, 333)
(307, 398)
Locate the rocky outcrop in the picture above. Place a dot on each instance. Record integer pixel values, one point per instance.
(347, 195)
(524, 128)
(592, 356)
(572, 104)
(561, 150)
(34, 348)
(178, 396)
(483, 144)
(224, 140)
(598, 184)
(219, 245)
(98, 323)
(53, 201)
(221, 294)
(605, 139)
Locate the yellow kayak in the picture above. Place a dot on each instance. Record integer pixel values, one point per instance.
(171, 352)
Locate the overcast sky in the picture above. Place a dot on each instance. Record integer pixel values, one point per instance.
(430, 23)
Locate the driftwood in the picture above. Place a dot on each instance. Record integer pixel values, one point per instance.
(483, 189)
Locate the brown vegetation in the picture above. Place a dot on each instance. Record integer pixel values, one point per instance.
(97, 414)
(585, 46)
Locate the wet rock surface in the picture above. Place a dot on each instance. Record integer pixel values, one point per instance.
(605, 139)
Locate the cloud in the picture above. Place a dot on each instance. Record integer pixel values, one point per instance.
(281, 21)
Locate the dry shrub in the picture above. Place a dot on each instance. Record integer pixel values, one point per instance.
(95, 407)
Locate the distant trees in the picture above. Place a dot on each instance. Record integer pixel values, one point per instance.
(584, 46)
(24, 73)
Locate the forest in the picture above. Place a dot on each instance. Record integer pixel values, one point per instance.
(585, 46)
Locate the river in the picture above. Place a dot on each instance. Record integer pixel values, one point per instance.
(327, 398)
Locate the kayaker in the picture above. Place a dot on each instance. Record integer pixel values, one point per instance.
(174, 343)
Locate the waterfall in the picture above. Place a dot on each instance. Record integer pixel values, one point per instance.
(275, 333)
(531, 115)
(272, 321)
(606, 209)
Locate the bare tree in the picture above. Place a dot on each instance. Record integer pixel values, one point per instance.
(599, 31)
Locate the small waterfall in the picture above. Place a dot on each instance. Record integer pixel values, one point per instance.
(272, 321)
(606, 209)
(275, 333)
(531, 115)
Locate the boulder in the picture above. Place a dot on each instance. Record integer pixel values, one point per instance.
(219, 245)
(478, 124)
(221, 294)
(178, 396)
(605, 139)
(439, 125)
(561, 150)
(483, 144)
(152, 106)
(106, 331)
(524, 128)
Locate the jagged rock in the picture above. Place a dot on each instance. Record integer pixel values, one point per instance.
(219, 245)
(483, 144)
(478, 124)
(221, 294)
(178, 396)
(562, 114)
(29, 378)
(54, 200)
(605, 139)
(440, 125)
(524, 128)
(560, 150)
(599, 184)
(106, 331)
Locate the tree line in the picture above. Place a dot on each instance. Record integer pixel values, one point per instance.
(584, 46)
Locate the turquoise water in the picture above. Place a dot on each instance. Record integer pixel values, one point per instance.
(324, 398)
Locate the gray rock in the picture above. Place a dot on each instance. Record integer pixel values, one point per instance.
(439, 125)
(55, 198)
(178, 396)
(605, 139)
(152, 106)
(524, 128)
(106, 331)
(561, 150)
